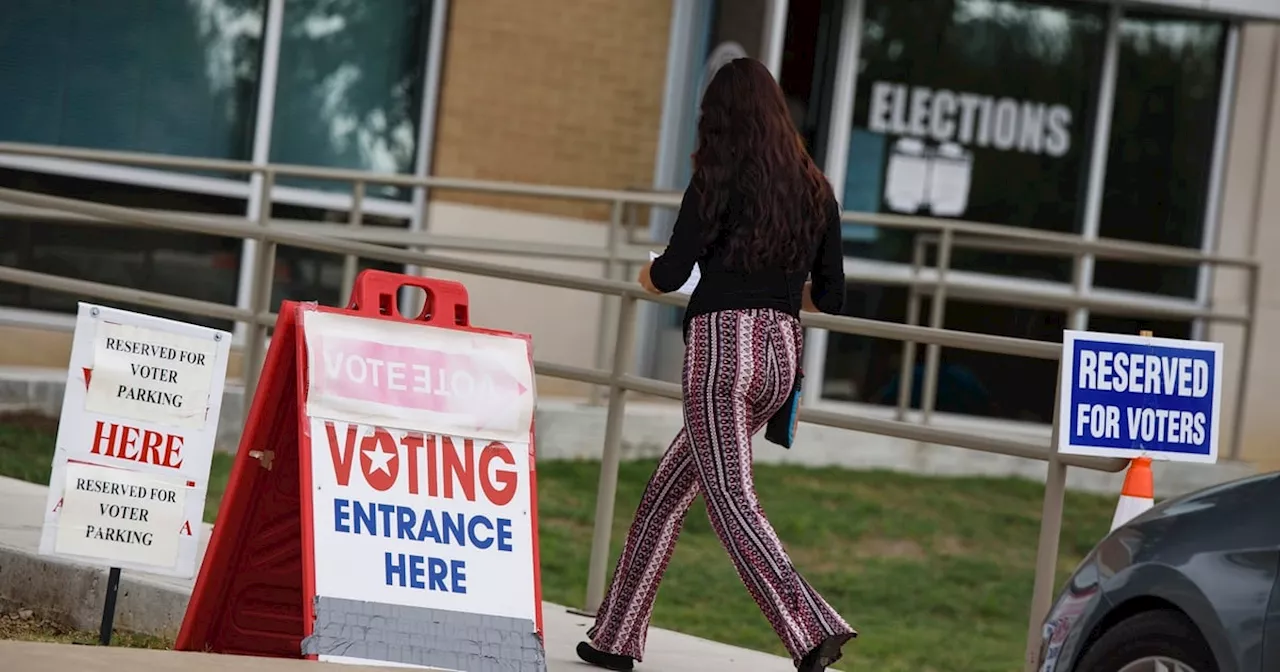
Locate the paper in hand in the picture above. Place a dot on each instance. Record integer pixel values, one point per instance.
(694, 276)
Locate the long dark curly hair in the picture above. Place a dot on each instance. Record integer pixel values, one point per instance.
(750, 154)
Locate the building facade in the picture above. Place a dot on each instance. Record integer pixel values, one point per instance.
(1153, 121)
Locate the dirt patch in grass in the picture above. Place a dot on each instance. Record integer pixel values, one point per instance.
(29, 421)
(24, 625)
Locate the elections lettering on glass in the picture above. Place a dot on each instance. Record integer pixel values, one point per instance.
(1126, 396)
(970, 119)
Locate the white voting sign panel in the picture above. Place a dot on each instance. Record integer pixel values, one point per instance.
(1131, 396)
(421, 469)
(135, 441)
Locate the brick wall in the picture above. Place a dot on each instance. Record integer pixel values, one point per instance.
(552, 92)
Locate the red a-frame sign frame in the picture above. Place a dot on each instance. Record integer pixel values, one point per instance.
(254, 591)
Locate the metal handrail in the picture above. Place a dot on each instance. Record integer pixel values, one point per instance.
(269, 235)
(1106, 248)
(340, 175)
(637, 253)
(620, 254)
(318, 243)
(381, 235)
(1117, 249)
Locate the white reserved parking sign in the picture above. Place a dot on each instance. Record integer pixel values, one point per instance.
(135, 442)
(1129, 396)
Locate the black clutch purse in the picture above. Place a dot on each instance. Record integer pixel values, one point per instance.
(781, 428)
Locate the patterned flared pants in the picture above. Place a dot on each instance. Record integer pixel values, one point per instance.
(738, 370)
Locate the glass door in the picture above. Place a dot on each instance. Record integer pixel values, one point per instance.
(721, 32)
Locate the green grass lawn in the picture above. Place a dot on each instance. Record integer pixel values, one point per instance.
(935, 573)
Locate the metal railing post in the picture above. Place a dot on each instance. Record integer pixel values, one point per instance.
(907, 369)
(608, 304)
(630, 221)
(937, 310)
(350, 262)
(1079, 316)
(629, 237)
(410, 302)
(608, 487)
(260, 296)
(1246, 354)
(1055, 485)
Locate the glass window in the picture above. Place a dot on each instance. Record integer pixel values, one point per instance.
(867, 370)
(808, 69)
(1161, 150)
(188, 265)
(1115, 324)
(974, 109)
(308, 275)
(978, 110)
(166, 77)
(349, 92)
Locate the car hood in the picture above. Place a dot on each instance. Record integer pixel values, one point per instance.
(1205, 498)
(1082, 600)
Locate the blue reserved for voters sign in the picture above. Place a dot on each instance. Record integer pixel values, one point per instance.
(1130, 396)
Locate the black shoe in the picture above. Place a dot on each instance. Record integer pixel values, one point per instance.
(824, 654)
(609, 661)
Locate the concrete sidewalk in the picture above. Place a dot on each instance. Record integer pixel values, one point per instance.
(38, 656)
(73, 593)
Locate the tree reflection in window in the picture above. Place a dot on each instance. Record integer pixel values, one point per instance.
(178, 78)
(350, 86)
(1161, 151)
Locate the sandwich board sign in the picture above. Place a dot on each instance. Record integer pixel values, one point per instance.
(382, 506)
(135, 441)
(1133, 396)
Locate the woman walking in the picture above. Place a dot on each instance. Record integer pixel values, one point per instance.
(758, 217)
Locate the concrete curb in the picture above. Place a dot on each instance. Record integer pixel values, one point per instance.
(72, 594)
(24, 656)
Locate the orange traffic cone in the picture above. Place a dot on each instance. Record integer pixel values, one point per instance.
(1138, 493)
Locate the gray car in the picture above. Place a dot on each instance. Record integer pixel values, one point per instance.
(1189, 586)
